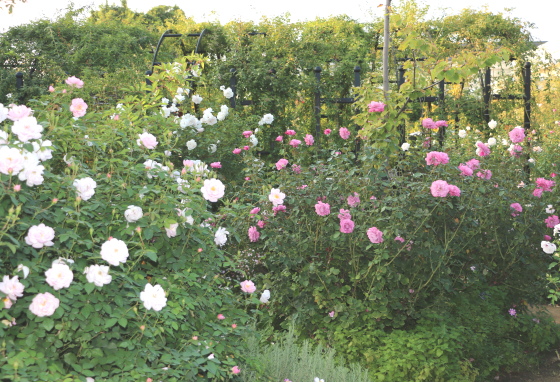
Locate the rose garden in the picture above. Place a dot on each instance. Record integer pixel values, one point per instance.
(159, 228)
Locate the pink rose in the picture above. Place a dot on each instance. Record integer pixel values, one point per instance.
(18, 112)
(255, 211)
(216, 165)
(473, 164)
(51, 89)
(538, 192)
(482, 150)
(344, 214)
(439, 188)
(346, 226)
(147, 140)
(246, 148)
(428, 123)
(354, 200)
(75, 82)
(78, 107)
(344, 133)
(551, 221)
(375, 235)
(517, 135)
(235, 370)
(44, 304)
(376, 107)
(484, 174)
(279, 138)
(290, 132)
(253, 234)
(248, 286)
(221, 317)
(465, 170)
(236, 151)
(261, 224)
(327, 131)
(282, 163)
(309, 140)
(454, 190)
(441, 123)
(398, 238)
(436, 158)
(247, 133)
(322, 209)
(295, 142)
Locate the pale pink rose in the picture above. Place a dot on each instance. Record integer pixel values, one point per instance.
(482, 150)
(439, 188)
(484, 174)
(51, 89)
(400, 239)
(353, 200)
(515, 151)
(282, 163)
(344, 214)
(59, 276)
(213, 189)
(253, 234)
(276, 197)
(322, 209)
(33, 176)
(247, 133)
(236, 151)
(247, 286)
(473, 164)
(18, 112)
(344, 133)
(7, 303)
(295, 142)
(465, 170)
(216, 165)
(346, 226)
(428, 123)
(78, 107)
(277, 209)
(27, 128)
(147, 140)
(40, 236)
(255, 211)
(235, 370)
(11, 160)
(375, 235)
(376, 107)
(171, 231)
(44, 304)
(221, 317)
(11, 287)
(85, 187)
(75, 82)
(309, 140)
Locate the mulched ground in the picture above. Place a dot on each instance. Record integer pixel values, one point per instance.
(549, 371)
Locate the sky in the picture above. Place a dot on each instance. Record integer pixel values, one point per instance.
(542, 13)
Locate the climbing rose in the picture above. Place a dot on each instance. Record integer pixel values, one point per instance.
(133, 213)
(344, 133)
(428, 123)
(375, 235)
(517, 134)
(346, 226)
(213, 189)
(11, 287)
(322, 209)
(85, 187)
(98, 274)
(282, 163)
(153, 297)
(78, 107)
(439, 188)
(75, 82)
(276, 197)
(114, 251)
(253, 234)
(147, 140)
(44, 304)
(248, 286)
(376, 107)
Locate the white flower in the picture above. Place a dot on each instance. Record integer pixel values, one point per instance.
(191, 145)
(220, 237)
(153, 297)
(133, 213)
(468, 128)
(164, 101)
(27, 128)
(548, 247)
(85, 187)
(318, 380)
(197, 99)
(98, 274)
(165, 111)
(492, 141)
(40, 236)
(276, 197)
(211, 356)
(33, 176)
(213, 189)
(531, 160)
(212, 148)
(549, 209)
(3, 112)
(171, 231)
(24, 269)
(114, 251)
(4, 136)
(266, 119)
(59, 276)
(492, 124)
(11, 287)
(11, 160)
(42, 151)
(254, 141)
(405, 146)
(178, 98)
(265, 296)
(556, 229)
(188, 120)
(208, 118)
(147, 140)
(462, 133)
(228, 93)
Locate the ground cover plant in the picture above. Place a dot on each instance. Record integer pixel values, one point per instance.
(169, 236)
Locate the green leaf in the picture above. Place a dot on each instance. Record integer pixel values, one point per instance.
(48, 324)
(123, 322)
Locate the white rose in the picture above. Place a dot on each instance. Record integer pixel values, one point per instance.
(213, 189)
(153, 297)
(85, 187)
(548, 247)
(220, 237)
(59, 276)
(405, 146)
(133, 213)
(11, 287)
(265, 296)
(171, 231)
(492, 141)
(212, 148)
(492, 124)
(40, 236)
(191, 145)
(197, 99)
(98, 274)
(114, 251)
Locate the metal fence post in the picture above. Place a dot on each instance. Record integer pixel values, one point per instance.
(19, 80)
(486, 94)
(148, 73)
(317, 104)
(527, 95)
(233, 86)
(357, 79)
